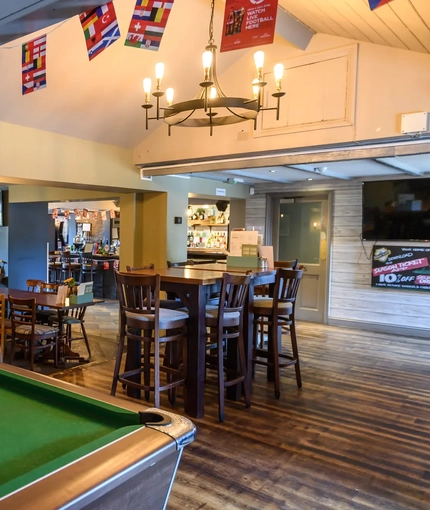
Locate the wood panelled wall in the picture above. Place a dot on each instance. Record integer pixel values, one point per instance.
(351, 298)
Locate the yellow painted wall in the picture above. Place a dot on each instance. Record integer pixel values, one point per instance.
(389, 82)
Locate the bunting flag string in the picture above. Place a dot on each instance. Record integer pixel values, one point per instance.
(100, 27)
(373, 4)
(34, 65)
(148, 23)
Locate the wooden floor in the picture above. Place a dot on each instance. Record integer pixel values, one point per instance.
(356, 436)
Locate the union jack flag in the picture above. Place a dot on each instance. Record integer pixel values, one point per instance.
(34, 65)
(148, 23)
(377, 3)
(100, 28)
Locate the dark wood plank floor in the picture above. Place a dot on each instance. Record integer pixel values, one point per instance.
(356, 436)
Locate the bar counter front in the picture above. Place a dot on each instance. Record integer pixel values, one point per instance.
(65, 447)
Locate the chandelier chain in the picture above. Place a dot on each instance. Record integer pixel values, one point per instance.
(211, 23)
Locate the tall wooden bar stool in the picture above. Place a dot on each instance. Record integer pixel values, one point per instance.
(69, 269)
(171, 302)
(224, 338)
(274, 313)
(26, 333)
(142, 321)
(91, 271)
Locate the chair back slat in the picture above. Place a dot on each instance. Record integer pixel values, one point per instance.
(287, 284)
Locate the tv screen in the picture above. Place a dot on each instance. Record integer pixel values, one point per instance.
(396, 210)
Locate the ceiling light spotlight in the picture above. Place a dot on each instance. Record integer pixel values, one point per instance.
(310, 179)
(272, 171)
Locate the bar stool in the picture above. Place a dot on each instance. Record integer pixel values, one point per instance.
(69, 269)
(224, 338)
(171, 301)
(277, 312)
(141, 322)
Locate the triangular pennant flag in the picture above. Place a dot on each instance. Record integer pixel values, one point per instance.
(100, 28)
(377, 3)
(148, 23)
(34, 65)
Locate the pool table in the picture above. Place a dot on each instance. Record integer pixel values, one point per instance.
(65, 447)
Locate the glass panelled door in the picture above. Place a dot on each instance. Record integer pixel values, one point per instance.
(302, 234)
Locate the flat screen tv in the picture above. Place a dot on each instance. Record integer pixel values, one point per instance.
(397, 210)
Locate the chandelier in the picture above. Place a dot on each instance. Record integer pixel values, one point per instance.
(211, 107)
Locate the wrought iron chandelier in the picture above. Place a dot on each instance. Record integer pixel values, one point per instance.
(211, 107)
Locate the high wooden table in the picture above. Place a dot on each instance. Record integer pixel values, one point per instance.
(49, 300)
(193, 285)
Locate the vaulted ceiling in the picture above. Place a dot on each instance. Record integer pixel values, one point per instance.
(100, 100)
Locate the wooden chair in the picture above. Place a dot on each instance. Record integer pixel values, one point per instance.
(74, 317)
(5, 327)
(274, 313)
(26, 333)
(171, 302)
(286, 264)
(34, 285)
(225, 342)
(142, 321)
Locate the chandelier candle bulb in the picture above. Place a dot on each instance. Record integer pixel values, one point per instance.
(207, 63)
(147, 84)
(278, 71)
(169, 96)
(259, 63)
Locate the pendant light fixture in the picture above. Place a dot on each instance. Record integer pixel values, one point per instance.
(211, 107)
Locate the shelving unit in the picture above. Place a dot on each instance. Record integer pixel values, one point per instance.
(205, 223)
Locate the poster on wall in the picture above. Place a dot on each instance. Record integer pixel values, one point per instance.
(248, 23)
(400, 267)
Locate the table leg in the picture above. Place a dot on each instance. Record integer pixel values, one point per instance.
(194, 390)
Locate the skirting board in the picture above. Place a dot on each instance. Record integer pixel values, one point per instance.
(383, 328)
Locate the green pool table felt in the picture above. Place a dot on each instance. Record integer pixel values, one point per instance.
(43, 428)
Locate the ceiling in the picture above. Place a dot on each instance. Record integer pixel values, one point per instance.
(100, 100)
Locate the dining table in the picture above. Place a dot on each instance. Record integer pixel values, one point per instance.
(193, 285)
(48, 300)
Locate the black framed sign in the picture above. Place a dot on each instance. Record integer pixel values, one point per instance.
(401, 267)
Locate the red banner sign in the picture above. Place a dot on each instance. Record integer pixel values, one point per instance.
(401, 266)
(248, 23)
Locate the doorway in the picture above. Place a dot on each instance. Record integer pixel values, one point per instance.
(301, 231)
